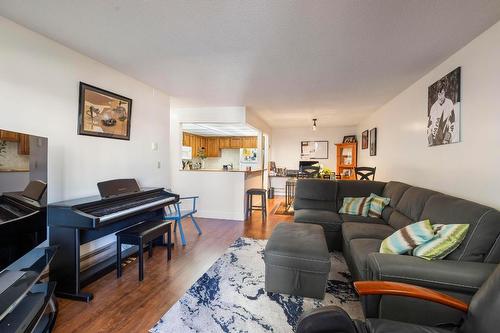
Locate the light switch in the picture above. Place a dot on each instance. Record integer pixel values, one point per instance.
(154, 146)
(158, 164)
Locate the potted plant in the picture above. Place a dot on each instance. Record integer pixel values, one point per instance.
(325, 172)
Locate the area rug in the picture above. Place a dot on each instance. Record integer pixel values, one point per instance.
(230, 296)
(280, 209)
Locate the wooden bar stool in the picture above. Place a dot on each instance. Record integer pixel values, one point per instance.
(263, 206)
(141, 234)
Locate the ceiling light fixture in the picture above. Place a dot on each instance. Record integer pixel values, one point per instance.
(314, 124)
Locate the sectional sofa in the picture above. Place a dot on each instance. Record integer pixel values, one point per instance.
(460, 274)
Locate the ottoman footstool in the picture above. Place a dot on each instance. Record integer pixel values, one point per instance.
(297, 260)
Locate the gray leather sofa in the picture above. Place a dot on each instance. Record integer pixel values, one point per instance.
(460, 274)
(481, 316)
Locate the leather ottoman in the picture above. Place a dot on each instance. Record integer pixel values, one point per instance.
(297, 260)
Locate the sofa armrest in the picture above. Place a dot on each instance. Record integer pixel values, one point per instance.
(408, 290)
(325, 319)
(447, 275)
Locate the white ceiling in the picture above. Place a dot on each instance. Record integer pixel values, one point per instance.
(289, 61)
(219, 129)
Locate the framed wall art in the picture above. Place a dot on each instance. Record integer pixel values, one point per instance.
(443, 110)
(314, 150)
(364, 140)
(103, 113)
(373, 141)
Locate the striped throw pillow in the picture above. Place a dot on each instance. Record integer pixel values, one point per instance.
(407, 238)
(447, 238)
(377, 205)
(355, 206)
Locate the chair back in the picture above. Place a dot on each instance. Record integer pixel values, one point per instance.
(364, 173)
(484, 309)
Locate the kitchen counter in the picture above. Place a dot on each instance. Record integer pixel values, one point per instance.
(221, 170)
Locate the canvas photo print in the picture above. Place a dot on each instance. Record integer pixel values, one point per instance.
(443, 112)
(103, 113)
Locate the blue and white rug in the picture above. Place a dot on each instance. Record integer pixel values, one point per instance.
(230, 296)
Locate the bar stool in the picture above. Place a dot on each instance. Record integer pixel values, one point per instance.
(263, 206)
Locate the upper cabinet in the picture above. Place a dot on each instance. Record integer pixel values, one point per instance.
(224, 142)
(23, 147)
(235, 142)
(249, 142)
(9, 136)
(213, 145)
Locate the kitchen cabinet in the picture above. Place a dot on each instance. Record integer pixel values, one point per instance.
(224, 142)
(23, 147)
(235, 142)
(186, 139)
(249, 142)
(9, 136)
(213, 147)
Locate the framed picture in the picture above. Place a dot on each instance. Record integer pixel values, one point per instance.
(103, 113)
(443, 110)
(364, 140)
(373, 141)
(349, 139)
(314, 150)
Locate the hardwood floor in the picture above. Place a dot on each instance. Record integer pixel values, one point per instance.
(127, 305)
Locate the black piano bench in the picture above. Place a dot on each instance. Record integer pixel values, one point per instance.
(143, 233)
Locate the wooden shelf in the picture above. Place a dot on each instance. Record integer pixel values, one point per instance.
(349, 150)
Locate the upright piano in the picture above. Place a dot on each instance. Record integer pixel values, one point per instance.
(73, 223)
(23, 222)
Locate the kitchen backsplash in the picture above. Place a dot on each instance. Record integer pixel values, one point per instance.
(228, 156)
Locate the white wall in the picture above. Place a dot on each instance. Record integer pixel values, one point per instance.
(39, 93)
(468, 169)
(285, 143)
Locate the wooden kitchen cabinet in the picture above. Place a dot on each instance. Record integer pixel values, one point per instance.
(23, 147)
(186, 139)
(213, 148)
(9, 136)
(235, 142)
(224, 142)
(249, 142)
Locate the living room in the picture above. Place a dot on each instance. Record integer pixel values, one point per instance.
(172, 166)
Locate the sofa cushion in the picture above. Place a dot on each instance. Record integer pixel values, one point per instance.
(408, 238)
(395, 191)
(446, 239)
(355, 206)
(387, 212)
(330, 221)
(358, 218)
(377, 205)
(353, 230)
(413, 201)
(483, 231)
(357, 188)
(398, 220)
(360, 249)
(316, 189)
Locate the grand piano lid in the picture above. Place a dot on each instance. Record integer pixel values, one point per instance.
(98, 199)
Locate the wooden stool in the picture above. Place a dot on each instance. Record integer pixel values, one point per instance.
(143, 233)
(263, 206)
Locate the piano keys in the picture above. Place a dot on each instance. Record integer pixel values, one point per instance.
(73, 223)
(23, 222)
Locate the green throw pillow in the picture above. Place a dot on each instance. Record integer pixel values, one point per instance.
(447, 238)
(377, 205)
(408, 238)
(355, 206)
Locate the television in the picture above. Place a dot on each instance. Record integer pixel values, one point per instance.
(23, 194)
